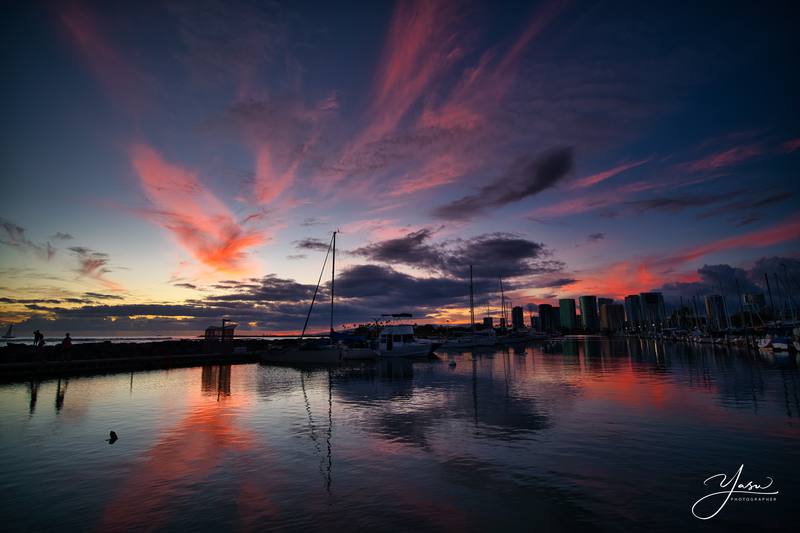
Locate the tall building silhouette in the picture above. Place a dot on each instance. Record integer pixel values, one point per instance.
(567, 314)
(589, 315)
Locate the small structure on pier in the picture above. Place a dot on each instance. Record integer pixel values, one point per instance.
(220, 333)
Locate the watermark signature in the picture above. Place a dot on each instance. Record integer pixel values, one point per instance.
(732, 490)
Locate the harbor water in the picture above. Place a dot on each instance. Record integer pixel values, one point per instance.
(575, 435)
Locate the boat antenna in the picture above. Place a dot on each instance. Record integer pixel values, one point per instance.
(316, 289)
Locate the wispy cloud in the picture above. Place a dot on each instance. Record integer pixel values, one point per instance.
(195, 217)
(95, 265)
(594, 179)
(15, 237)
(725, 158)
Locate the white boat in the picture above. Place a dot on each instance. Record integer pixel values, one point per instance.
(9, 334)
(484, 337)
(399, 341)
(765, 342)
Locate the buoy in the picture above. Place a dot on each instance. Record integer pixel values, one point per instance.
(112, 437)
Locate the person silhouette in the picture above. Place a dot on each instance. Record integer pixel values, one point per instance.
(36, 335)
(66, 344)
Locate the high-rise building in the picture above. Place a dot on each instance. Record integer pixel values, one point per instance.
(603, 301)
(488, 322)
(715, 312)
(567, 315)
(612, 318)
(546, 317)
(633, 310)
(556, 318)
(653, 310)
(518, 317)
(589, 318)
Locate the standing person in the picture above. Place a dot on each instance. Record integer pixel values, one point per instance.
(40, 344)
(36, 335)
(66, 344)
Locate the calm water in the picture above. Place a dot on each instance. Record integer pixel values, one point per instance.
(587, 434)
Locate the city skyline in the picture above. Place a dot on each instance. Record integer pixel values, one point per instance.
(169, 165)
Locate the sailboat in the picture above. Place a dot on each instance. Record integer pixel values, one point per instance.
(475, 339)
(9, 332)
(313, 352)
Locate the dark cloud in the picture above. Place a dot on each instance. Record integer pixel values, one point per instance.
(186, 285)
(714, 279)
(100, 296)
(14, 236)
(787, 269)
(594, 237)
(311, 243)
(756, 202)
(296, 257)
(491, 255)
(671, 204)
(527, 177)
(59, 236)
(413, 249)
(311, 221)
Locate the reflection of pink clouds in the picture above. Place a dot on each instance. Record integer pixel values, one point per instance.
(198, 220)
(188, 453)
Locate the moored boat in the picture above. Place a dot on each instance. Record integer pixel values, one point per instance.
(399, 341)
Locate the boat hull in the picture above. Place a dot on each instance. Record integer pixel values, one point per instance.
(304, 356)
(408, 351)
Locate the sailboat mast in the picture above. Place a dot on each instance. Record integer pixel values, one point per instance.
(471, 302)
(503, 306)
(333, 277)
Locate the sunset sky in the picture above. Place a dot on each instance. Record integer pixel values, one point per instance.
(165, 164)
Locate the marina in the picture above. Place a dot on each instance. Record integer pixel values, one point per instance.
(552, 434)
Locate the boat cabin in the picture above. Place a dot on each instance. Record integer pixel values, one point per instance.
(396, 336)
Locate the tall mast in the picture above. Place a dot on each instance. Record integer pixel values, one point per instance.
(503, 305)
(471, 303)
(769, 291)
(781, 301)
(333, 277)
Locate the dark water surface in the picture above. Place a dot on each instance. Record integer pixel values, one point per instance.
(582, 435)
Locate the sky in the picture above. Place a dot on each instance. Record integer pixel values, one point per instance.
(168, 164)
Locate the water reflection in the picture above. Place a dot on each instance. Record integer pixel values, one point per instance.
(500, 440)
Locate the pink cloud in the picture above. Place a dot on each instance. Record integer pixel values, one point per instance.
(196, 218)
(724, 158)
(785, 231)
(123, 81)
(790, 146)
(594, 179)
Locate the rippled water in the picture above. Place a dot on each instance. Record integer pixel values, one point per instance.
(586, 434)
